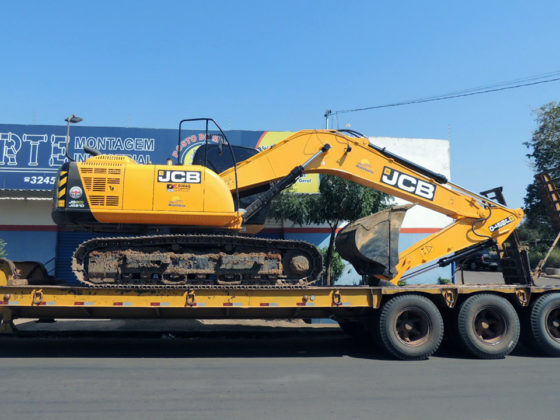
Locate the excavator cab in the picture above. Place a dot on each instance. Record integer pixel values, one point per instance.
(213, 157)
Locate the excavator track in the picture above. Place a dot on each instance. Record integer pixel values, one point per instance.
(178, 261)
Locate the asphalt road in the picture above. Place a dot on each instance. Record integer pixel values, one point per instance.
(259, 372)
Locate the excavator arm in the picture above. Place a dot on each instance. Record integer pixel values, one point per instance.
(477, 219)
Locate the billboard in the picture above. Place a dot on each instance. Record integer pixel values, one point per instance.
(30, 155)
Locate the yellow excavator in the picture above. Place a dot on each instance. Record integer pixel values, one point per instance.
(193, 224)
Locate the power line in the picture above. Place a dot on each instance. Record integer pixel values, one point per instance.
(527, 81)
(501, 84)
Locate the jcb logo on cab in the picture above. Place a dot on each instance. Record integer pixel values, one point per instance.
(182, 177)
(408, 183)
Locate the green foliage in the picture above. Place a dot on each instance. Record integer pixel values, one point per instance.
(538, 240)
(537, 220)
(344, 200)
(337, 265)
(442, 280)
(291, 206)
(545, 143)
(553, 259)
(338, 200)
(3, 252)
(544, 152)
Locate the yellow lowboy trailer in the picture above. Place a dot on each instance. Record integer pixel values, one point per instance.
(194, 260)
(407, 321)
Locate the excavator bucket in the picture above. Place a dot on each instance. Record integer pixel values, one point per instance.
(371, 243)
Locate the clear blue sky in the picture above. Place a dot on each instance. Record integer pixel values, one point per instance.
(262, 65)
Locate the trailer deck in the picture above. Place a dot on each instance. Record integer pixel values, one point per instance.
(409, 321)
(231, 302)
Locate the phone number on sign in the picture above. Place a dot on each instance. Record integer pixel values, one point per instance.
(48, 180)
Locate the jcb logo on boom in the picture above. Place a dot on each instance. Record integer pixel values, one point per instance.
(408, 183)
(182, 177)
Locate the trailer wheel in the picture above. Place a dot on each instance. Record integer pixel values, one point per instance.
(545, 324)
(410, 327)
(488, 326)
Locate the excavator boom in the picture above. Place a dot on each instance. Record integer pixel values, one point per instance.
(477, 219)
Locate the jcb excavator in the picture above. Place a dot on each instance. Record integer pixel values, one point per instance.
(195, 219)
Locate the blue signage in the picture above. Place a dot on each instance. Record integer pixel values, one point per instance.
(30, 155)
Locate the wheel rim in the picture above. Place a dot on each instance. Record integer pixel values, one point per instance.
(490, 326)
(413, 326)
(553, 323)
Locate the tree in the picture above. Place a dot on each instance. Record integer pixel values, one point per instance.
(338, 200)
(544, 153)
(336, 264)
(544, 148)
(3, 253)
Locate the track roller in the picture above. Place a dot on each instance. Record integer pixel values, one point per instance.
(410, 327)
(545, 323)
(488, 326)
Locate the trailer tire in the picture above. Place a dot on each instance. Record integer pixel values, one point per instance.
(488, 326)
(545, 324)
(410, 327)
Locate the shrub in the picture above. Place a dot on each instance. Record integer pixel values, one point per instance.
(553, 259)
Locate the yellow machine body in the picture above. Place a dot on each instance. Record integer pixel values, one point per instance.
(117, 190)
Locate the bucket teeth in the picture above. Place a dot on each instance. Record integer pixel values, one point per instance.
(371, 243)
